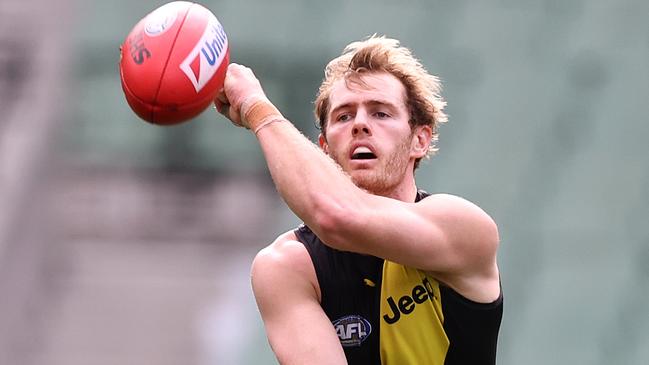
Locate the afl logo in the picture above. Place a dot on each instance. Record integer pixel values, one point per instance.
(160, 20)
(352, 330)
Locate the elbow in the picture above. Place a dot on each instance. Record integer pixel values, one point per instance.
(332, 222)
(492, 237)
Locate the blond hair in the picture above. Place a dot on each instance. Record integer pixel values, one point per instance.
(380, 54)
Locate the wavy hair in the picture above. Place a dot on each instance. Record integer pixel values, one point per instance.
(381, 54)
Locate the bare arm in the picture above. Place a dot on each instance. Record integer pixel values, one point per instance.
(443, 234)
(284, 283)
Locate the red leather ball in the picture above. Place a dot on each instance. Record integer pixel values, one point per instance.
(174, 62)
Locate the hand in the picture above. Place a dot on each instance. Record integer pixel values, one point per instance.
(240, 91)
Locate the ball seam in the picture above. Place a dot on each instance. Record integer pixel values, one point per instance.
(164, 69)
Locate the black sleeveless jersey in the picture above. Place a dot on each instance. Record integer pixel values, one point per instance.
(388, 314)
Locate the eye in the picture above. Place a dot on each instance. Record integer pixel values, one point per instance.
(382, 115)
(345, 117)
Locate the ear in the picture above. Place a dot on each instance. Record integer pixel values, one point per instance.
(421, 139)
(322, 141)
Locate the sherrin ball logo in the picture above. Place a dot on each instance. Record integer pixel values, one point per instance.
(160, 20)
(352, 330)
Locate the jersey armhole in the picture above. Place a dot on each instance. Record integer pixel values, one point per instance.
(301, 233)
(470, 303)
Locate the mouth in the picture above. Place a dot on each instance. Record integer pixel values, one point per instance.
(362, 153)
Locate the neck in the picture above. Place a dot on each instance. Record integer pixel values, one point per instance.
(406, 191)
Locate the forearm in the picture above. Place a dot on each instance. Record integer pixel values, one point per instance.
(310, 182)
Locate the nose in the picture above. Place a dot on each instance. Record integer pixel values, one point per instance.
(361, 125)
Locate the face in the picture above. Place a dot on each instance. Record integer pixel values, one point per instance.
(368, 132)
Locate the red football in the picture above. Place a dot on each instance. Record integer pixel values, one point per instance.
(174, 62)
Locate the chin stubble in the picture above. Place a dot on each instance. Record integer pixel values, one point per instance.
(390, 175)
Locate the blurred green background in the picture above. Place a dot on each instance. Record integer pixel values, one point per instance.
(127, 243)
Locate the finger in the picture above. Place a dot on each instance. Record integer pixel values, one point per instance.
(220, 96)
(227, 111)
(218, 104)
(224, 109)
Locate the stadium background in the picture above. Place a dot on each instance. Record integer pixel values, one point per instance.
(126, 243)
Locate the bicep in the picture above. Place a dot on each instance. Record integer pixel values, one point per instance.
(442, 233)
(298, 330)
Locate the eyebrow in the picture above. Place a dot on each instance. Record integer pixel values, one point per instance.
(372, 102)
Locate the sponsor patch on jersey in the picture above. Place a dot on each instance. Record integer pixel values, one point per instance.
(160, 20)
(206, 57)
(352, 330)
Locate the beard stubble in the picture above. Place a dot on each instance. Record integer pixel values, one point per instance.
(383, 179)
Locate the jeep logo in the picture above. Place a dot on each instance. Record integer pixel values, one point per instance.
(406, 304)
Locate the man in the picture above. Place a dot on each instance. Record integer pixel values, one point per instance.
(380, 272)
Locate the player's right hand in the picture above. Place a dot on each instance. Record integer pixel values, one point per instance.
(240, 91)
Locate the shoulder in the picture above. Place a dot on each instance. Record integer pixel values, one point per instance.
(286, 252)
(449, 201)
(284, 262)
(471, 232)
(475, 239)
(455, 210)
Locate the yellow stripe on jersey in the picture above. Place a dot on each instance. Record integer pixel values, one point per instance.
(412, 329)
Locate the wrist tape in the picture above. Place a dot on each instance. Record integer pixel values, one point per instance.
(259, 112)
